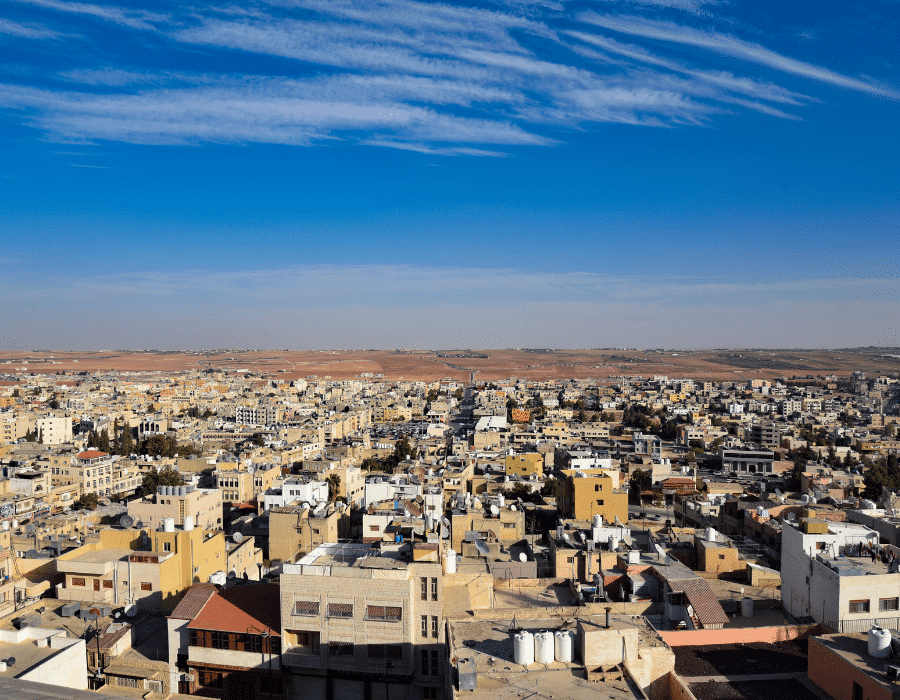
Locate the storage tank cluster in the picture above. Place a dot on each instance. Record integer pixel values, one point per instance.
(173, 490)
(543, 647)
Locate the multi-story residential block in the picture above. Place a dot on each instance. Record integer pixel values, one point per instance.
(746, 460)
(204, 506)
(584, 493)
(241, 484)
(360, 618)
(54, 430)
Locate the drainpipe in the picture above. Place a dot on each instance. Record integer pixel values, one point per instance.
(607, 616)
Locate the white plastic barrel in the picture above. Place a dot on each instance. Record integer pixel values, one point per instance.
(188, 523)
(613, 543)
(563, 646)
(597, 521)
(879, 643)
(543, 648)
(523, 648)
(169, 525)
(450, 562)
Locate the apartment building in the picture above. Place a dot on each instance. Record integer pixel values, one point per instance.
(242, 484)
(295, 490)
(294, 531)
(746, 460)
(360, 619)
(584, 493)
(204, 506)
(828, 574)
(256, 415)
(525, 465)
(54, 430)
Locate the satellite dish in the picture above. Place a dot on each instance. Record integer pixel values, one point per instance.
(445, 522)
(251, 469)
(495, 510)
(126, 521)
(232, 574)
(445, 533)
(512, 508)
(482, 547)
(237, 537)
(742, 590)
(138, 524)
(130, 610)
(523, 556)
(117, 615)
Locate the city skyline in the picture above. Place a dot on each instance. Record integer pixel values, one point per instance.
(495, 174)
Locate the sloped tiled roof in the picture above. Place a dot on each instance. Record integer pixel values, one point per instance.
(194, 600)
(702, 599)
(242, 608)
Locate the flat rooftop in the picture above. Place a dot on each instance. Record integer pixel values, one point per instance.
(854, 648)
(489, 643)
(103, 555)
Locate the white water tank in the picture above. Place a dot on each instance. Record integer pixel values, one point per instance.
(867, 504)
(450, 562)
(543, 648)
(879, 643)
(804, 498)
(523, 648)
(710, 534)
(613, 543)
(14, 524)
(429, 522)
(597, 521)
(746, 607)
(218, 578)
(563, 644)
(168, 524)
(5, 526)
(188, 523)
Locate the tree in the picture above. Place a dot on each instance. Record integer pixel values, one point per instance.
(104, 441)
(54, 404)
(640, 480)
(403, 450)
(334, 485)
(30, 436)
(519, 490)
(88, 501)
(884, 473)
(126, 441)
(17, 394)
(164, 477)
(549, 487)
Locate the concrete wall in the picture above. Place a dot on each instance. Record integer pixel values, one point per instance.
(65, 668)
(743, 635)
(678, 689)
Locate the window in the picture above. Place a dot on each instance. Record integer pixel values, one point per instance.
(167, 546)
(434, 589)
(146, 586)
(424, 662)
(570, 560)
(424, 625)
(107, 584)
(434, 626)
(340, 649)
(385, 651)
(307, 642)
(384, 612)
(888, 604)
(435, 668)
(306, 607)
(78, 581)
(424, 583)
(859, 606)
(373, 528)
(600, 502)
(431, 693)
(596, 487)
(340, 610)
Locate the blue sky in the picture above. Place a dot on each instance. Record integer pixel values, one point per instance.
(351, 173)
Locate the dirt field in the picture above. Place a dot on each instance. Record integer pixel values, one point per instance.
(499, 364)
(741, 659)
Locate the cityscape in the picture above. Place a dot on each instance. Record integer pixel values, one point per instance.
(449, 350)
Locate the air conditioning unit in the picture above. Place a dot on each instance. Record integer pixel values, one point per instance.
(187, 677)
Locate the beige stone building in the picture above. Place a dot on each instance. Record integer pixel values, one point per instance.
(358, 619)
(179, 502)
(241, 484)
(295, 531)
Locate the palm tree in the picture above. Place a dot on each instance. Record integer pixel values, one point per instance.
(334, 485)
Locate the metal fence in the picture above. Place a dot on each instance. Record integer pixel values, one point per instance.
(864, 625)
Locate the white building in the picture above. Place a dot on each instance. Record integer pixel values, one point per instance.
(54, 430)
(396, 488)
(295, 491)
(823, 576)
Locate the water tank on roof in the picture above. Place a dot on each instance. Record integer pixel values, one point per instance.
(879, 643)
(523, 648)
(188, 523)
(450, 562)
(804, 498)
(168, 524)
(544, 648)
(563, 646)
(746, 607)
(597, 521)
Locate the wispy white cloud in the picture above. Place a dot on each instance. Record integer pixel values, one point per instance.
(26, 31)
(730, 46)
(136, 19)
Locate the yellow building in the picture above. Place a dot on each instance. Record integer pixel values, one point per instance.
(151, 570)
(295, 531)
(584, 493)
(525, 465)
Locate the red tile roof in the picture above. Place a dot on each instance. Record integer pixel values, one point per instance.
(92, 454)
(253, 607)
(196, 597)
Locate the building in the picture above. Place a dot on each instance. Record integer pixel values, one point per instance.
(358, 619)
(828, 575)
(840, 665)
(504, 528)
(295, 490)
(584, 493)
(256, 415)
(54, 430)
(746, 460)
(244, 484)
(294, 531)
(226, 644)
(178, 503)
(525, 465)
